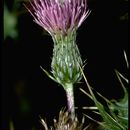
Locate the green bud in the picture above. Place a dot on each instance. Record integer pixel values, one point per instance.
(66, 59)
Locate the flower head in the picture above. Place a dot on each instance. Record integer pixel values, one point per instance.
(59, 16)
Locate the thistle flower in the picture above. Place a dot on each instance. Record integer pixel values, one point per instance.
(59, 16)
(62, 18)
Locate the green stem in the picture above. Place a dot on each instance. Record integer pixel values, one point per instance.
(70, 100)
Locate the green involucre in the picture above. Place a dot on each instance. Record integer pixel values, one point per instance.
(66, 59)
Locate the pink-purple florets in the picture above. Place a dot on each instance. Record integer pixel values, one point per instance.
(59, 16)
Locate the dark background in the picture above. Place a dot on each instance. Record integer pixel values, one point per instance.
(28, 93)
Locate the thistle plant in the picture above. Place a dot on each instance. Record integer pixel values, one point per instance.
(61, 19)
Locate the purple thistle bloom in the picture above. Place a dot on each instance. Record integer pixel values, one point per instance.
(59, 16)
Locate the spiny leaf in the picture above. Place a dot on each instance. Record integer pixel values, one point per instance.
(111, 121)
(48, 74)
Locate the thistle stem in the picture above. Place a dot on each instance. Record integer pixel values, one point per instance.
(70, 100)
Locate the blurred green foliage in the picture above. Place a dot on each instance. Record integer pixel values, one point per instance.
(124, 17)
(11, 125)
(10, 23)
